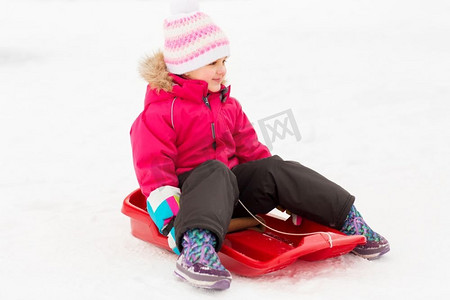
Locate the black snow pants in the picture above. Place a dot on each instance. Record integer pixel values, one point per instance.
(209, 195)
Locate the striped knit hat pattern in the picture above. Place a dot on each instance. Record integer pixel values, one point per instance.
(192, 40)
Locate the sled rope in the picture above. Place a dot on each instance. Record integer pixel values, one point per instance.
(330, 240)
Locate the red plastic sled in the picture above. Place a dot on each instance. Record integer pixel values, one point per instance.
(250, 252)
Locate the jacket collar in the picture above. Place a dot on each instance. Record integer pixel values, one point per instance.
(196, 90)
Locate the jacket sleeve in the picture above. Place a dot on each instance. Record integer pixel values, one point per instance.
(154, 153)
(248, 147)
(154, 150)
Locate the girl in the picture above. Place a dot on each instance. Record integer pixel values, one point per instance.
(195, 154)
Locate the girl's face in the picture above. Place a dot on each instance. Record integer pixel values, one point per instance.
(213, 74)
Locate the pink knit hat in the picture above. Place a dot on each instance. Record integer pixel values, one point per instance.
(192, 40)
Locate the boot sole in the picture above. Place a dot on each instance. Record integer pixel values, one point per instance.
(203, 281)
(371, 255)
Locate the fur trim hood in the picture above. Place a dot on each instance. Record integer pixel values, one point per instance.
(154, 70)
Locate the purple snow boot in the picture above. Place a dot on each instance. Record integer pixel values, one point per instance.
(199, 263)
(375, 246)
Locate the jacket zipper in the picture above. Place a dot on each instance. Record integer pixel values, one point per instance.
(213, 126)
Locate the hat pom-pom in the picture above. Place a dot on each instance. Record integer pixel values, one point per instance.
(183, 6)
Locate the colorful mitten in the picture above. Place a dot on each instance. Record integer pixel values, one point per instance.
(162, 206)
(296, 220)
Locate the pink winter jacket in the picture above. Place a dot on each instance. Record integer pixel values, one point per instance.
(183, 125)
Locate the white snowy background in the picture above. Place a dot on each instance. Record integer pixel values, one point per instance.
(367, 81)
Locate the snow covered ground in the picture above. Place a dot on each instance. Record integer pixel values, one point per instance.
(368, 83)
